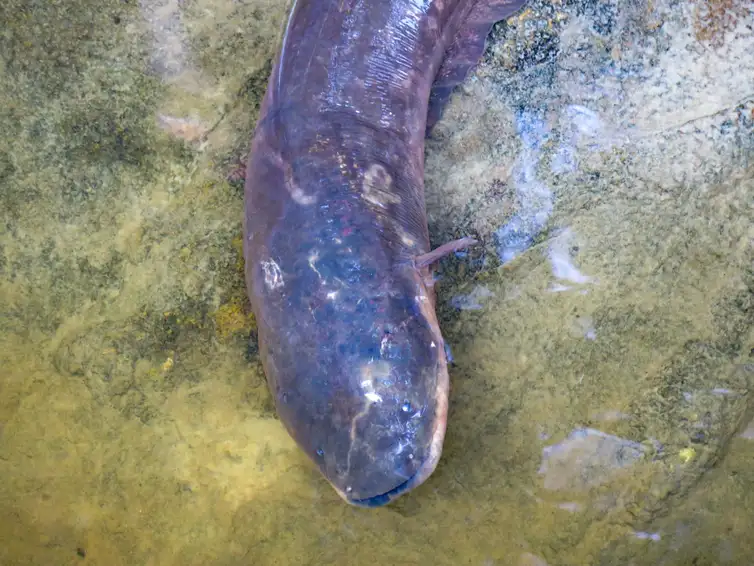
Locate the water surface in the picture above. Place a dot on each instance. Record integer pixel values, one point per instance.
(602, 336)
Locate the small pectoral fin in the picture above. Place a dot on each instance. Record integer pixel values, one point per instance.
(425, 260)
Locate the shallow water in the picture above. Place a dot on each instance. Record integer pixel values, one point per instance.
(603, 337)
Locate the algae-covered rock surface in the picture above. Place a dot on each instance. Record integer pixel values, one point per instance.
(602, 334)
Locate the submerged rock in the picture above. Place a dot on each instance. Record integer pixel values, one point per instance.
(587, 458)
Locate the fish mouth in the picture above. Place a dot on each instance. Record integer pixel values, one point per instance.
(418, 478)
(385, 498)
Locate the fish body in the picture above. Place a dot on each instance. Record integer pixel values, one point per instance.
(336, 241)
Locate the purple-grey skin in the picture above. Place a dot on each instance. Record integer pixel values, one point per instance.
(336, 240)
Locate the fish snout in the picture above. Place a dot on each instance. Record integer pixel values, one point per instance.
(392, 450)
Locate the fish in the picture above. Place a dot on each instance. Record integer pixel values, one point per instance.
(338, 264)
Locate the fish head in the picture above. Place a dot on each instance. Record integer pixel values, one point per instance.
(398, 405)
(365, 390)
